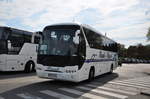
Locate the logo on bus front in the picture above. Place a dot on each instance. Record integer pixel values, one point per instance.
(53, 68)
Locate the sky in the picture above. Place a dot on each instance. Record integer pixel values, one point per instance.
(125, 21)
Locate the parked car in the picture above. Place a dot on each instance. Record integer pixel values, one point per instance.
(120, 62)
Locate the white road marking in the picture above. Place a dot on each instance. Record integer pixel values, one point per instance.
(56, 94)
(147, 83)
(28, 96)
(134, 83)
(104, 92)
(1, 97)
(138, 82)
(137, 79)
(87, 95)
(114, 90)
(135, 86)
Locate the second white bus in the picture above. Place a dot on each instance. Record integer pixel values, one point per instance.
(75, 52)
(17, 52)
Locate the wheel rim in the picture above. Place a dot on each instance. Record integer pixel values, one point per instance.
(30, 68)
(111, 70)
(91, 74)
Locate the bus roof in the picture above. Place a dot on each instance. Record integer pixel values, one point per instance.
(83, 25)
(70, 23)
(91, 28)
(18, 31)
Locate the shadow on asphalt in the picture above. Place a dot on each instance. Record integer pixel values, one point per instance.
(147, 73)
(53, 85)
(15, 74)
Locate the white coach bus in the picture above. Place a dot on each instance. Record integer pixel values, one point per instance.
(75, 52)
(17, 52)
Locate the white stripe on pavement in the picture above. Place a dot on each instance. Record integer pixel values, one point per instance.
(122, 84)
(87, 95)
(134, 83)
(56, 94)
(114, 90)
(104, 92)
(1, 97)
(28, 96)
(147, 83)
(138, 82)
(137, 79)
(134, 86)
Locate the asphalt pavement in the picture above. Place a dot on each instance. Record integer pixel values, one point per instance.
(131, 81)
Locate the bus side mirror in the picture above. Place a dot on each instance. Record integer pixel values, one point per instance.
(76, 38)
(36, 48)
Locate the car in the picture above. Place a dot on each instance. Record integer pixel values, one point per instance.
(137, 60)
(120, 62)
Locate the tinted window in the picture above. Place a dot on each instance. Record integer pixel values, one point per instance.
(27, 38)
(98, 41)
(1, 32)
(16, 41)
(58, 42)
(109, 45)
(4, 33)
(3, 47)
(94, 39)
(37, 40)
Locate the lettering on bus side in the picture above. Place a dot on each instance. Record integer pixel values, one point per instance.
(101, 54)
(109, 56)
(93, 56)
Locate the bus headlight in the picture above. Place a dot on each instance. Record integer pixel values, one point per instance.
(70, 71)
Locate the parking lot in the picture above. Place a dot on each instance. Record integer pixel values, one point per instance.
(129, 81)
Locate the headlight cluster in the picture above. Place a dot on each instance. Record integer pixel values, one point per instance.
(70, 71)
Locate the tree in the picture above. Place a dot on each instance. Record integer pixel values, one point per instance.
(139, 51)
(148, 34)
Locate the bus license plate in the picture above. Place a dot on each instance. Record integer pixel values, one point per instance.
(52, 75)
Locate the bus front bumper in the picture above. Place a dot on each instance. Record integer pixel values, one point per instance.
(73, 77)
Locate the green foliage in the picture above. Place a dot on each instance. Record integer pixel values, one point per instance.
(139, 51)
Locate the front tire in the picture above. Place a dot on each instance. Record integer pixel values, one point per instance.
(29, 67)
(91, 74)
(111, 69)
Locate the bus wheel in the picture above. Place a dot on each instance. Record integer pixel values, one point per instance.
(91, 74)
(29, 67)
(111, 69)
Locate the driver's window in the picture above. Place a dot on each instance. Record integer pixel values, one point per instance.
(76, 38)
(82, 45)
(9, 44)
(53, 35)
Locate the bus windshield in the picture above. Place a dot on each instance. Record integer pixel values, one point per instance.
(61, 42)
(3, 47)
(3, 42)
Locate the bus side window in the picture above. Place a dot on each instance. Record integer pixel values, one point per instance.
(82, 44)
(15, 43)
(94, 39)
(37, 40)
